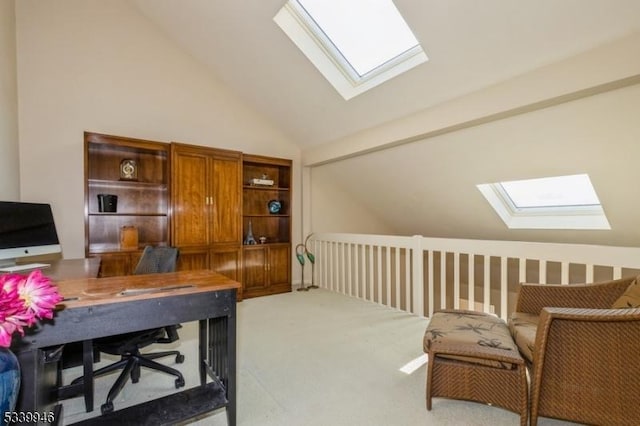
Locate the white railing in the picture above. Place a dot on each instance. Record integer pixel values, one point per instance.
(420, 275)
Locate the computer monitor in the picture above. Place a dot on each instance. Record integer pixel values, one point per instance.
(26, 229)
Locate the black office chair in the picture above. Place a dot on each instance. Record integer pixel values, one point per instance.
(128, 345)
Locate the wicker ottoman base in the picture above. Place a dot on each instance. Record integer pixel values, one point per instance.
(489, 369)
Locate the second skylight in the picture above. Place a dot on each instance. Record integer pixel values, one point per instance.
(558, 202)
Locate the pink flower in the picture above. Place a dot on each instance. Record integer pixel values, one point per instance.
(23, 300)
(39, 295)
(6, 331)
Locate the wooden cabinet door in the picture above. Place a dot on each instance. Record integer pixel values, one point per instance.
(115, 265)
(190, 199)
(255, 270)
(226, 195)
(279, 265)
(193, 259)
(227, 261)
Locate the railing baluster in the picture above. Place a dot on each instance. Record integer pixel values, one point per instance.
(343, 268)
(443, 280)
(432, 282)
(417, 277)
(504, 288)
(522, 270)
(407, 280)
(542, 271)
(456, 280)
(348, 270)
(356, 272)
(326, 261)
(397, 264)
(387, 252)
(471, 269)
(487, 283)
(589, 273)
(617, 272)
(379, 275)
(332, 277)
(371, 274)
(564, 272)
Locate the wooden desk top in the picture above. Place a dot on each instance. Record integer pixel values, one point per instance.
(97, 291)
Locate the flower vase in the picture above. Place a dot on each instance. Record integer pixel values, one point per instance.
(9, 381)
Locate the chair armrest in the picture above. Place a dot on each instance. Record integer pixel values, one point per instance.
(584, 362)
(575, 330)
(533, 297)
(171, 334)
(590, 314)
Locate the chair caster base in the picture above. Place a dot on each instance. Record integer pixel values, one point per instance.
(106, 408)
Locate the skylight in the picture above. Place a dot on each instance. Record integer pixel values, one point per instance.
(561, 202)
(560, 191)
(355, 44)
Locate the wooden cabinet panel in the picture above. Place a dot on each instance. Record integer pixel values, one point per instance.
(206, 190)
(227, 261)
(255, 270)
(115, 264)
(193, 259)
(280, 265)
(225, 184)
(189, 199)
(267, 269)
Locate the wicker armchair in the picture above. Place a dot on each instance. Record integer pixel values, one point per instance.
(585, 361)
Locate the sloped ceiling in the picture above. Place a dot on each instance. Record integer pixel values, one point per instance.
(428, 187)
(471, 45)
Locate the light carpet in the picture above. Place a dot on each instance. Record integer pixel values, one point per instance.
(314, 358)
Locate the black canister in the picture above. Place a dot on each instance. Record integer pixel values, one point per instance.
(107, 203)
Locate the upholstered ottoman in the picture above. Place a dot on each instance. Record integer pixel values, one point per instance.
(472, 356)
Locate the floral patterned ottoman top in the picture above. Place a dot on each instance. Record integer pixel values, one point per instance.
(474, 332)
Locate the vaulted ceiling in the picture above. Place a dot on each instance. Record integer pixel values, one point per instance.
(472, 46)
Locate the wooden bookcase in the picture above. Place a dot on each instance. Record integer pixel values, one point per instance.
(266, 264)
(142, 201)
(197, 198)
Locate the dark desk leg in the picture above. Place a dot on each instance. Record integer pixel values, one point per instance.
(38, 381)
(30, 372)
(203, 344)
(231, 365)
(87, 365)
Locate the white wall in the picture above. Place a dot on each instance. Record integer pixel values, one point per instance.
(334, 210)
(101, 66)
(428, 187)
(9, 166)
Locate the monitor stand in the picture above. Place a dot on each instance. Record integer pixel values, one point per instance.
(9, 265)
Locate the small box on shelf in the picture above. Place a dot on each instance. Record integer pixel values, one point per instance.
(129, 238)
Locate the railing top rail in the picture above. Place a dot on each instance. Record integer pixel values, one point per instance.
(368, 239)
(626, 257)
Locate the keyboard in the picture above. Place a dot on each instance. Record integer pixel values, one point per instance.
(25, 267)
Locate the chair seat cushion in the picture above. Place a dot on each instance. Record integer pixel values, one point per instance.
(472, 329)
(125, 344)
(523, 327)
